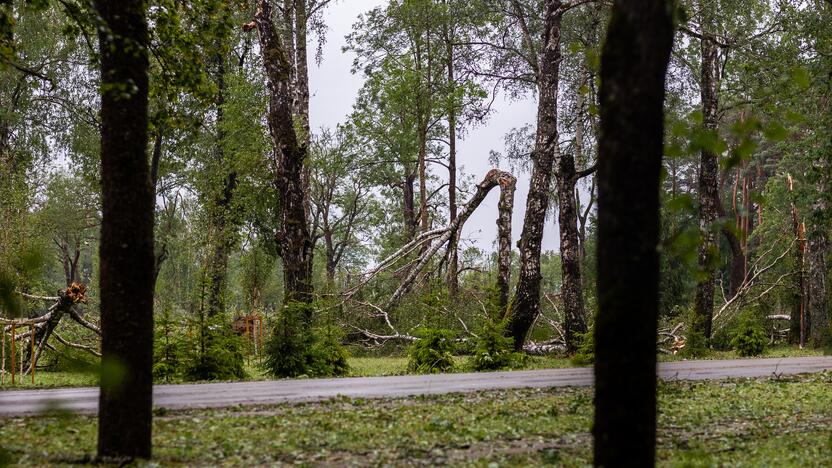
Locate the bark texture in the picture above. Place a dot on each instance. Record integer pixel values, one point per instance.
(222, 224)
(506, 208)
(525, 306)
(633, 66)
(708, 182)
(818, 299)
(574, 320)
(293, 238)
(126, 249)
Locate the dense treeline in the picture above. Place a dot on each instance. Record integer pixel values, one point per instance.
(352, 236)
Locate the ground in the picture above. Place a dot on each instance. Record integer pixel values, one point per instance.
(762, 422)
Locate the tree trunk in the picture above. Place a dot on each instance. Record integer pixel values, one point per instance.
(453, 260)
(633, 66)
(409, 208)
(221, 223)
(574, 321)
(294, 241)
(818, 299)
(708, 184)
(126, 249)
(506, 208)
(493, 178)
(525, 305)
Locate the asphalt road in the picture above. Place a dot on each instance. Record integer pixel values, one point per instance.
(85, 400)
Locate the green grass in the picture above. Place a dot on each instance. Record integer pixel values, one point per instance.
(359, 367)
(762, 422)
(772, 352)
(380, 366)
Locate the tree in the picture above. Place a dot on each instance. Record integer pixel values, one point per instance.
(633, 66)
(126, 251)
(525, 306)
(284, 61)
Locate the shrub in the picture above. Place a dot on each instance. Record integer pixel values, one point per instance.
(749, 338)
(696, 344)
(586, 349)
(494, 350)
(168, 349)
(432, 352)
(825, 341)
(296, 348)
(218, 354)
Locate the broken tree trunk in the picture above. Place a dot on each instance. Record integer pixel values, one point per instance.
(495, 177)
(46, 324)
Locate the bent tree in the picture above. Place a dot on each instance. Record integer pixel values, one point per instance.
(633, 66)
(126, 249)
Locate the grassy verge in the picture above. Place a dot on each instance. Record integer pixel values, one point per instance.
(762, 422)
(380, 366)
(359, 367)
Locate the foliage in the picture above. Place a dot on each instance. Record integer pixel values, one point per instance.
(749, 338)
(296, 348)
(494, 350)
(696, 345)
(218, 352)
(586, 349)
(168, 348)
(432, 352)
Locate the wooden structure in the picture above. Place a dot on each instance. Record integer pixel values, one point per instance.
(250, 327)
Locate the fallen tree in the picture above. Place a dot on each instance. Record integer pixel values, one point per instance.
(431, 242)
(43, 327)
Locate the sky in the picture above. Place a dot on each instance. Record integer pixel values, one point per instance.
(333, 89)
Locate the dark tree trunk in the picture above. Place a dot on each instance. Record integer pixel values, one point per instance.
(126, 250)
(818, 305)
(816, 287)
(222, 225)
(294, 241)
(633, 66)
(574, 321)
(525, 305)
(409, 208)
(738, 263)
(708, 185)
(797, 330)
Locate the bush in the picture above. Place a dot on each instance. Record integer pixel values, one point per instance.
(696, 344)
(825, 341)
(218, 354)
(432, 352)
(749, 338)
(586, 349)
(494, 350)
(168, 349)
(296, 348)
(328, 356)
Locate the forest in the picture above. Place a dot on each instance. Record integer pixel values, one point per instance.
(249, 191)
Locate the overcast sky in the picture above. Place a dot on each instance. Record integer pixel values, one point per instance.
(333, 92)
